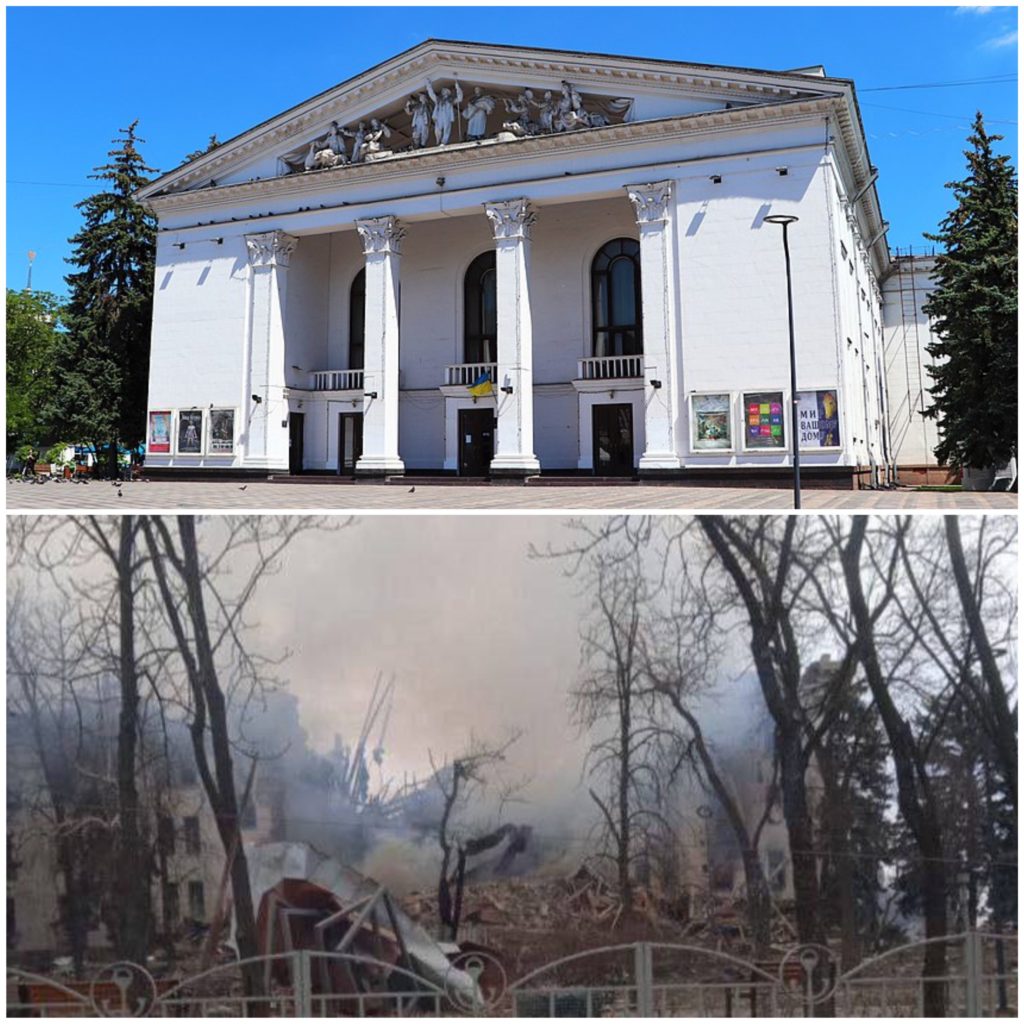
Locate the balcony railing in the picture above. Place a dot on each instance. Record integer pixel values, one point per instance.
(469, 373)
(337, 380)
(611, 367)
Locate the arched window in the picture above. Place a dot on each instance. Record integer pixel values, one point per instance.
(615, 291)
(357, 321)
(480, 311)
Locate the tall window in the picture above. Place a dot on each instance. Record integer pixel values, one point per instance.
(480, 311)
(357, 321)
(615, 292)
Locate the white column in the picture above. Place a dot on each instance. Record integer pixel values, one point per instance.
(513, 448)
(382, 247)
(662, 401)
(265, 438)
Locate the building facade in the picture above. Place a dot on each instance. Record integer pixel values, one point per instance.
(492, 260)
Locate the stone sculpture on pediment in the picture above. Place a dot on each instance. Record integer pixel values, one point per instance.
(445, 111)
(434, 112)
(371, 147)
(475, 113)
(418, 110)
(523, 124)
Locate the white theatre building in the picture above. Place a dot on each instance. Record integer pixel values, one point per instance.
(501, 261)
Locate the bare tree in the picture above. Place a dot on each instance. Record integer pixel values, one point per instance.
(466, 779)
(205, 591)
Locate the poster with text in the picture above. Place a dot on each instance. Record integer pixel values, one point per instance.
(818, 419)
(190, 432)
(160, 432)
(712, 428)
(762, 420)
(222, 431)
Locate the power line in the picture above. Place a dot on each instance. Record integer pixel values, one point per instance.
(932, 113)
(991, 80)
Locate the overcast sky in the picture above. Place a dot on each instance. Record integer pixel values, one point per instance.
(480, 637)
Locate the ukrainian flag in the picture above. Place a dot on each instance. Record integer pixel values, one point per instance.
(482, 385)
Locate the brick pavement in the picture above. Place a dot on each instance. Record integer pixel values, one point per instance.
(260, 495)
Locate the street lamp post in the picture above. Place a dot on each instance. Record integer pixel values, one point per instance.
(785, 219)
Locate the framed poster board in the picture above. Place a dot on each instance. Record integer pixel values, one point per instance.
(222, 432)
(159, 433)
(711, 422)
(763, 426)
(818, 419)
(190, 432)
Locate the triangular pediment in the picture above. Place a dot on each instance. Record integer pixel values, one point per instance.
(446, 95)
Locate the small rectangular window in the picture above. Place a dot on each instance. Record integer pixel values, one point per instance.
(843, 249)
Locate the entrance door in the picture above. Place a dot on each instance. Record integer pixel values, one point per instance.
(350, 441)
(613, 440)
(476, 441)
(296, 436)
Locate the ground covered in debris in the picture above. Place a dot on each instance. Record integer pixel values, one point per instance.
(530, 922)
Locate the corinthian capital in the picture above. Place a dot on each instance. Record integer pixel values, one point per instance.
(511, 218)
(381, 234)
(271, 249)
(650, 202)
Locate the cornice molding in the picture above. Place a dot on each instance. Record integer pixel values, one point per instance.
(471, 155)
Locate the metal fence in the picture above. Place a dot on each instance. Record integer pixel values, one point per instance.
(631, 980)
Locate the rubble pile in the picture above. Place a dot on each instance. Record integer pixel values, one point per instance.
(579, 902)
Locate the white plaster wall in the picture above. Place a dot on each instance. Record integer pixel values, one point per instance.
(908, 333)
(734, 333)
(421, 429)
(306, 309)
(556, 433)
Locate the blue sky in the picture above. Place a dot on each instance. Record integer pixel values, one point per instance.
(75, 75)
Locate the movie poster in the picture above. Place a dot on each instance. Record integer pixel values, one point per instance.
(818, 419)
(159, 432)
(222, 431)
(712, 426)
(190, 432)
(762, 419)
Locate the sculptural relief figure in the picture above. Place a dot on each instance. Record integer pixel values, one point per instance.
(334, 141)
(310, 162)
(445, 112)
(371, 144)
(569, 112)
(476, 113)
(549, 110)
(358, 138)
(418, 109)
(523, 124)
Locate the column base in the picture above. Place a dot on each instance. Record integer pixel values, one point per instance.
(659, 463)
(515, 466)
(379, 465)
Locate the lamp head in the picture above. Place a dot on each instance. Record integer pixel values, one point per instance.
(781, 218)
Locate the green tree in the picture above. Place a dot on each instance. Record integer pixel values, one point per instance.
(34, 322)
(102, 362)
(975, 312)
(210, 146)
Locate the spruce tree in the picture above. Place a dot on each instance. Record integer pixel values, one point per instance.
(102, 362)
(975, 313)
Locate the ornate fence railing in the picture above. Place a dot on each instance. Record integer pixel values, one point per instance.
(640, 979)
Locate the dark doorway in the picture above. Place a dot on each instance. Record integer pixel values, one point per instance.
(613, 440)
(296, 436)
(476, 441)
(350, 442)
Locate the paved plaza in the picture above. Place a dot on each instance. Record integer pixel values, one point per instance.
(411, 495)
